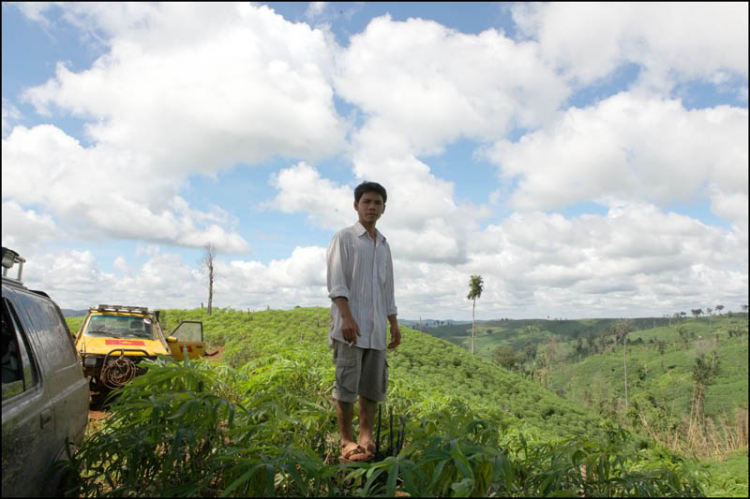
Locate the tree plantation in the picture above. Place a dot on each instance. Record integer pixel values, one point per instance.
(261, 421)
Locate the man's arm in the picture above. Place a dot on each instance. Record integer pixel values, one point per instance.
(349, 327)
(395, 332)
(391, 297)
(338, 290)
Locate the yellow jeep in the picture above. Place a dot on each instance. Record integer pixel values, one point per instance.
(114, 339)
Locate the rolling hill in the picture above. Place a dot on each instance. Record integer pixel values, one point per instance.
(265, 422)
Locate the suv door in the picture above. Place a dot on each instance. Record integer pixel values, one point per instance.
(68, 388)
(189, 335)
(29, 441)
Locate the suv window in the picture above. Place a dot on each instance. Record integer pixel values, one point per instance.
(117, 326)
(45, 317)
(18, 373)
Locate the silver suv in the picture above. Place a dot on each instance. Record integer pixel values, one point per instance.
(45, 394)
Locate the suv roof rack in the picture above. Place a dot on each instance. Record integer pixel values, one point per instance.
(121, 308)
(11, 258)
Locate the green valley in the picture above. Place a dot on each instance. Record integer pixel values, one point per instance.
(686, 378)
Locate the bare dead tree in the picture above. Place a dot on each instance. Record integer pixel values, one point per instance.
(622, 329)
(209, 254)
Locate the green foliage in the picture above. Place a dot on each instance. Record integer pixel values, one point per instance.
(475, 287)
(729, 475)
(505, 357)
(171, 436)
(264, 424)
(74, 324)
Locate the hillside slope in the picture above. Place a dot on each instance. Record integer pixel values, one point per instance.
(265, 425)
(518, 334)
(431, 366)
(664, 398)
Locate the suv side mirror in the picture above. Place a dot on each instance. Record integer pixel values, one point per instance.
(171, 339)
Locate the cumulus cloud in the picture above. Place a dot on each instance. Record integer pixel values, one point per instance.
(628, 147)
(671, 42)
(428, 85)
(26, 230)
(97, 192)
(179, 91)
(732, 207)
(203, 88)
(74, 279)
(302, 189)
(596, 263)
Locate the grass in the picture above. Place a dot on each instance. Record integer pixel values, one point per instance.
(730, 475)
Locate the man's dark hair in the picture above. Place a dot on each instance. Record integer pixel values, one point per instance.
(369, 187)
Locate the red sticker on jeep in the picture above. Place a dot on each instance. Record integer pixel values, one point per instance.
(132, 343)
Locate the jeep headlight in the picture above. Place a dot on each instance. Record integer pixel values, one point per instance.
(89, 361)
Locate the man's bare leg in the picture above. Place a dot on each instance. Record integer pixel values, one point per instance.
(367, 409)
(344, 415)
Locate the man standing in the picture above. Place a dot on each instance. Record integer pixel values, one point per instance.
(360, 285)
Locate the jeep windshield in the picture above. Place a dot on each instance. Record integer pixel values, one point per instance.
(115, 326)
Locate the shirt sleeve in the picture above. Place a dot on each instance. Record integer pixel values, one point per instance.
(336, 259)
(390, 286)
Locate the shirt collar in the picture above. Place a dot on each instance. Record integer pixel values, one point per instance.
(360, 230)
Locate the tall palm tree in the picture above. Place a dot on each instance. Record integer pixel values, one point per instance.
(475, 291)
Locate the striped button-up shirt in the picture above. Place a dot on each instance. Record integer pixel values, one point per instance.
(361, 270)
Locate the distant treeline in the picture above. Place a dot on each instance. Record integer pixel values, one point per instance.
(572, 329)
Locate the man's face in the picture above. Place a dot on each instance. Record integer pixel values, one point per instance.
(370, 207)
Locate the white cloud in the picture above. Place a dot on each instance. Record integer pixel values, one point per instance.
(593, 265)
(732, 207)
(181, 89)
(315, 9)
(301, 189)
(96, 191)
(627, 147)
(75, 280)
(201, 88)
(672, 41)
(428, 85)
(71, 278)
(121, 265)
(25, 231)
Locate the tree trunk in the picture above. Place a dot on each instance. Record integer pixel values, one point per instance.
(210, 286)
(209, 253)
(473, 307)
(625, 369)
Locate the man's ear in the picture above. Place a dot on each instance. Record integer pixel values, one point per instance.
(356, 208)
(383, 207)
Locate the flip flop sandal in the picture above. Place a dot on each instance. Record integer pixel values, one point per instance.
(354, 451)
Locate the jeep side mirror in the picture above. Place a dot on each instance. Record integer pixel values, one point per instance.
(171, 339)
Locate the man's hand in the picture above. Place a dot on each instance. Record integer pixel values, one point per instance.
(395, 337)
(350, 329)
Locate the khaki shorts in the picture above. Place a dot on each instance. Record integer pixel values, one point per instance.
(359, 371)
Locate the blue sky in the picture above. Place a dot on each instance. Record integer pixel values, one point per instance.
(584, 169)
